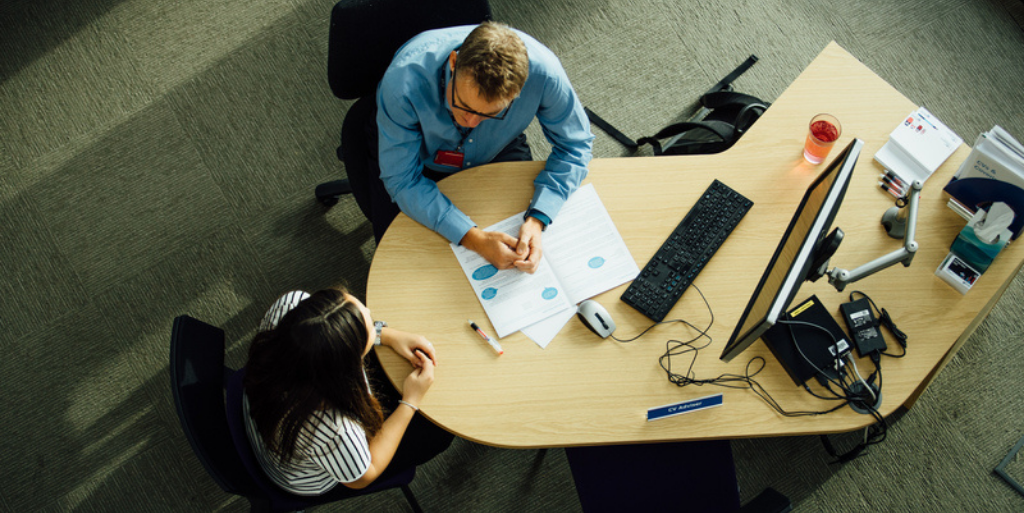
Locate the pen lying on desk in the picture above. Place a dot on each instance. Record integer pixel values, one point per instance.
(887, 188)
(491, 341)
(894, 184)
(891, 177)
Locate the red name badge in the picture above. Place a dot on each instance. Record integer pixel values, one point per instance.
(449, 158)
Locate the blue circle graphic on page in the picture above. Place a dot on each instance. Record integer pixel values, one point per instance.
(595, 262)
(549, 293)
(485, 272)
(489, 293)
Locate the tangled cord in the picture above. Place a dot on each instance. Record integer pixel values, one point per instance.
(691, 348)
(874, 434)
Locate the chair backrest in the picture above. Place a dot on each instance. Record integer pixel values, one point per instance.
(365, 34)
(210, 411)
(281, 500)
(706, 467)
(197, 384)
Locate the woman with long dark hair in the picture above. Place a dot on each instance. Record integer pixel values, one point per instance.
(312, 417)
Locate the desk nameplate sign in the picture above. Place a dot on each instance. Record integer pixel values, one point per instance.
(671, 410)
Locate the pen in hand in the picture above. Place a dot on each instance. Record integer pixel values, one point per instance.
(491, 341)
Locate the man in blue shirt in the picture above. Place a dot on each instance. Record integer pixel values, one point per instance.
(461, 97)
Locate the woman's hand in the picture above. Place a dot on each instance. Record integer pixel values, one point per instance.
(419, 380)
(408, 344)
(384, 444)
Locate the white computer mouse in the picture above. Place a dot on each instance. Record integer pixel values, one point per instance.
(595, 317)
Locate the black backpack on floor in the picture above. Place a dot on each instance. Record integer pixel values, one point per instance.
(724, 117)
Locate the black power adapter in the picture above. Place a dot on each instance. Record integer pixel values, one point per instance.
(863, 326)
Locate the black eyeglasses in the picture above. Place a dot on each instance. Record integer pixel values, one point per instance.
(455, 97)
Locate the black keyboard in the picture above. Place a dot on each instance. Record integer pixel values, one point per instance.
(686, 251)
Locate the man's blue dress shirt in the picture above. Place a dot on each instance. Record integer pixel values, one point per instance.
(414, 123)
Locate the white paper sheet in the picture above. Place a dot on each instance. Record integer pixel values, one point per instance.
(584, 255)
(512, 299)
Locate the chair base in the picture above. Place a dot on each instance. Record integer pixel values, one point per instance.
(411, 499)
(328, 193)
(769, 501)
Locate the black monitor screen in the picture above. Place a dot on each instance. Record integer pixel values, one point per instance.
(792, 259)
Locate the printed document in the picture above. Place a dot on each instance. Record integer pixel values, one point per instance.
(584, 255)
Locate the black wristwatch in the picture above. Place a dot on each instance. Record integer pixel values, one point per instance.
(379, 325)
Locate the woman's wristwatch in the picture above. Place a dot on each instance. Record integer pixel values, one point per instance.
(379, 325)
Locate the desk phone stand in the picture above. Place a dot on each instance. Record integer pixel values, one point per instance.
(900, 222)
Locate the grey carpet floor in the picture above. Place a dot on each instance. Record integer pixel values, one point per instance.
(158, 158)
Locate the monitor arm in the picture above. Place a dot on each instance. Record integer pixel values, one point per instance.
(899, 223)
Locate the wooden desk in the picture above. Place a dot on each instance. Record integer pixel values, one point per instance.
(582, 390)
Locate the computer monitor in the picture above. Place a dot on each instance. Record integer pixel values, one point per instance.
(792, 261)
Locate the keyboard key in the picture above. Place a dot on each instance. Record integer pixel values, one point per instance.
(686, 251)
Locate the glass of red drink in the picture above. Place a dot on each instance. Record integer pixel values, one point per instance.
(822, 134)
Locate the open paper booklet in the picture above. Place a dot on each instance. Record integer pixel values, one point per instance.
(584, 255)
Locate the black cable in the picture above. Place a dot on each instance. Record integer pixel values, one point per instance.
(885, 319)
(835, 343)
(702, 333)
(746, 381)
(644, 332)
(823, 378)
(901, 337)
(876, 433)
(727, 380)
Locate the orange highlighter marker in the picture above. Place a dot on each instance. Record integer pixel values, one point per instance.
(491, 341)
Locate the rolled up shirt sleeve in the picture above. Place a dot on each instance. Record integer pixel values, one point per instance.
(566, 127)
(401, 152)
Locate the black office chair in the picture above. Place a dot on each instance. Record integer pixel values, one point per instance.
(198, 377)
(695, 476)
(364, 36)
(682, 476)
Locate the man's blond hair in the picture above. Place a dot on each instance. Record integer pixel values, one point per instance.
(495, 57)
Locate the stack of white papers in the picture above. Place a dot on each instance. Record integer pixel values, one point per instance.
(584, 255)
(918, 147)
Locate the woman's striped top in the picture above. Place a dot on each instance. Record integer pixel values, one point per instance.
(330, 449)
